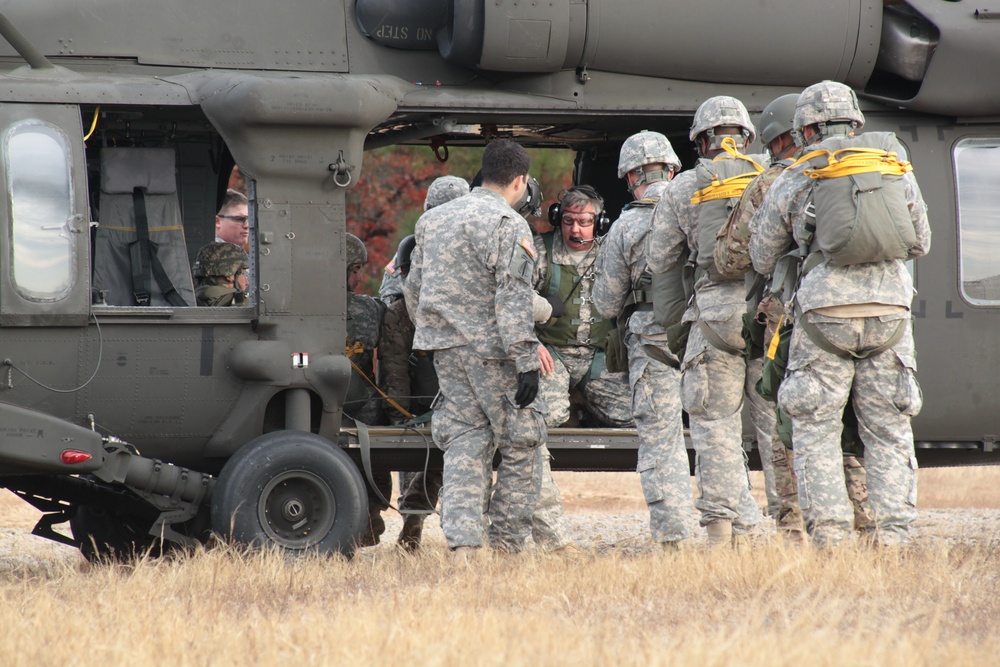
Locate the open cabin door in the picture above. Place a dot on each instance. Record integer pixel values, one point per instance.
(45, 240)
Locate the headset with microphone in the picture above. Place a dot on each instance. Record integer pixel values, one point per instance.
(602, 223)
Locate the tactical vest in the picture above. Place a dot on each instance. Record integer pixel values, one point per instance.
(721, 182)
(563, 281)
(218, 295)
(857, 211)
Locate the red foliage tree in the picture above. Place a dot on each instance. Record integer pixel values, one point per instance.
(390, 191)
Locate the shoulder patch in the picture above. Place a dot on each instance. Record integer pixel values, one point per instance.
(645, 202)
(390, 268)
(529, 246)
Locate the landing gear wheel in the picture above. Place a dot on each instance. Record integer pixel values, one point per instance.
(293, 489)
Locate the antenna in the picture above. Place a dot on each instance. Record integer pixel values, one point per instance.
(25, 49)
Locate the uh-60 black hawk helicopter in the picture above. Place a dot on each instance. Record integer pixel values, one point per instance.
(139, 418)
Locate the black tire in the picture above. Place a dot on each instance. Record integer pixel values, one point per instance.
(293, 489)
(104, 535)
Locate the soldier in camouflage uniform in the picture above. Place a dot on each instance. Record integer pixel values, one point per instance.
(732, 259)
(220, 275)
(412, 385)
(714, 372)
(647, 161)
(843, 312)
(441, 189)
(363, 403)
(574, 337)
(469, 295)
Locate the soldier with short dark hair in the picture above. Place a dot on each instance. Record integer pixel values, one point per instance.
(469, 294)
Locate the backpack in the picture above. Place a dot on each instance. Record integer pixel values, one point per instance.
(858, 212)
(721, 182)
(732, 244)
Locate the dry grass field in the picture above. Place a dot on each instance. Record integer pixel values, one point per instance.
(622, 603)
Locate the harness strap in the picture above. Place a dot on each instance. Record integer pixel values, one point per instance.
(817, 337)
(716, 341)
(145, 260)
(653, 352)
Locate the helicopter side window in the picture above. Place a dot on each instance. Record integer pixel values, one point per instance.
(39, 189)
(977, 177)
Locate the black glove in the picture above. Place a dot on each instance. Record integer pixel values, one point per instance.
(527, 388)
(558, 307)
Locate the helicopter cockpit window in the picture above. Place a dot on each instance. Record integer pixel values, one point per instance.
(977, 176)
(40, 197)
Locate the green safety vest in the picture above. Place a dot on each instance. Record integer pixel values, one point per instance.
(562, 281)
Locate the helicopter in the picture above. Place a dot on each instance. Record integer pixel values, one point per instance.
(141, 418)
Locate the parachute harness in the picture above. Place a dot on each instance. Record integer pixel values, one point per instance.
(729, 187)
(855, 161)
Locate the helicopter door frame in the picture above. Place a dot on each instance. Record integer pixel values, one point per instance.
(45, 239)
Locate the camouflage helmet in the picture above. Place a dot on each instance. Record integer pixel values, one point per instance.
(826, 102)
(776, 118)
(722, 111)
(445, 189)
(645, 148)
(531, 200)
(356, 251)
(220, 259)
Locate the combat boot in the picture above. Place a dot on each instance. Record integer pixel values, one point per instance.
(675, 546)
(412, 532)
(720, 533)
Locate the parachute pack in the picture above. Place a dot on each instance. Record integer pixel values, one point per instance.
(721, 183)
(858, 212)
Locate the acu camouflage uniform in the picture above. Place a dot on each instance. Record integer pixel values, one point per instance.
(212, 267)
(469, 294)
(578, 364)
(656, 406)
(732, 258)
(364, 403)
(714, 381)
(883, 387)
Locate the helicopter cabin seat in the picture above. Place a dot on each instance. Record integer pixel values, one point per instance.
(140, 255)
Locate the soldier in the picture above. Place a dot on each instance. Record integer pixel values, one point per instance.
(647, 161)
(441, 189)
(363, 403)
(714, 375)
(469, 294)
(574, 336)
(232, 221)
(851, 310)
(732, 259)
(220, 274)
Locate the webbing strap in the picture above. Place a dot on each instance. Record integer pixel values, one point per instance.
(145, 260)
(855, 161)
(366, 459)
(816, 336)
(653, 352)
(365, 443)
(716, 341)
